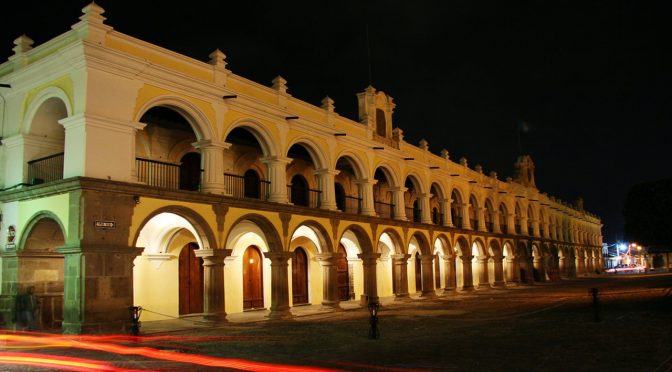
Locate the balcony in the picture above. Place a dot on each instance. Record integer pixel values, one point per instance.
(351, 204)
(384, 210)
(247, 188)
(158, 173)
(46, 169)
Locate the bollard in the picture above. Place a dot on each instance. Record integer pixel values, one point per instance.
(374, 306)
(135, 312)
(596, 303)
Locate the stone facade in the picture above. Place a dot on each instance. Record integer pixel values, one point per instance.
(133, 175)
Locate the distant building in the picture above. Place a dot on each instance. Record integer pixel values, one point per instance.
(133, 175)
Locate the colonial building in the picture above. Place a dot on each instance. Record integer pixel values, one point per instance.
(133, 175)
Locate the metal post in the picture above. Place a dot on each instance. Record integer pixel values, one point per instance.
(596, 303)
(135, 312)
(374, 306)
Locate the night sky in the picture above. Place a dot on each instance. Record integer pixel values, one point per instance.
(591, 80)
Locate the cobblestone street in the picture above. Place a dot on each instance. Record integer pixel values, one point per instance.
(549, 326)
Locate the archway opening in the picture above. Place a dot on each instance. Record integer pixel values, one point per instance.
(303, 187)
(245, 174)
(382, 194)
(348, 194)
(45, 158)
(456, 208)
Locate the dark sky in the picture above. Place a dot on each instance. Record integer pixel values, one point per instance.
(591, 79)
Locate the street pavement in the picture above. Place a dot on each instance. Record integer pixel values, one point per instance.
(555, 326)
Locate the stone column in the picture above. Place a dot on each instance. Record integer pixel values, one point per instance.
(481, 219)
(427, 263)
(277, 175)
(511, 224)
(449, 264)
(366, 193)
(325, 179)
(483, 280)
(590, 265)
(425, 212)
(546, 232)
(98, 288)
(562, 266)
(400, 262)
(213, 283)
(369, 261)
(538, 263)
(447, 216)
(399, 205)
(499, 271)
(535, 228)
(212, 165)
(512, 272)
(523, 226)
(581, 264)
(466, 217)
(279, 284)
(495, 222)
(329, 281)
(467, 275)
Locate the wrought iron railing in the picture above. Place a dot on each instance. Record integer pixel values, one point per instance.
(353, 205)
(437, 218)
(385, 210)
(312, 198)
(46, 169)
(518, 230)
(158, 173)
(239, 187)
(504, 228)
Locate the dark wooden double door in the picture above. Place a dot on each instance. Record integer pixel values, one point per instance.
(342, 274)
(191, 280)
(299, 277)
(253, 279)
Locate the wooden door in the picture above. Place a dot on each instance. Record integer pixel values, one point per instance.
(418, 273)
(253, 284)
(299, 277)
(343, 277)
(190, 172)
(191, 280)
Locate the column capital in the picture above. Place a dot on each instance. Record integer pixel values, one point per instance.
(426, 257)
(401, 257)
(278, 257)
(398, 189)
(213, 256)
(203, 144)
(333, 172)
(369, 258)
(366, 181)
(326, 258)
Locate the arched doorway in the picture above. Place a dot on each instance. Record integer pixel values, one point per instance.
(299, 191)
(342, 274)
(253, 284)
(340, 196)
(418, 272)
(191, 280)
(252, 183)
(190, 172)
(299, 277)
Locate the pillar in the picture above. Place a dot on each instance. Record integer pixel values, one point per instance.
(212, 165)
(98, 288)
(277, 168)
(562, 266)
(535, 228)
(511, 224)
(480, 212)
(512, 270)
(369, 261)
(330, 297)
(580, 264)
(538, 262)
(426, 262)
(466, 220)
(400, 262)
(279, 284)
(425, 210)
(467, 275)
(366, 193)
(213, 283)
(325, 179)
(495, 222)
(523, 226)
(447, 216)
(399, 205)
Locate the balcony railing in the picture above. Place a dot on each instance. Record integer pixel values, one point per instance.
(503, 228)
(385, 210)
(312, 198)
(518, 230)
(413, 214)
(437, 218)
(474, 223)
(490, 226)
(353, 205)
(46, 169)
(238, 187)
(158, 173)
(457, 221)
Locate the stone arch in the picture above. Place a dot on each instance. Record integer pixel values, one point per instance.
(320, 158)
(263, 136)
(395, 238)
(198, 121)
(446, 247)
(324, 242)
(270, 233)
(43, 96)
(417, 182)
(363, 240)
(389, 173)
(462, 247)
(440, 188)
(204, 235)
(33, 221)
(358, 166)
(423, 243)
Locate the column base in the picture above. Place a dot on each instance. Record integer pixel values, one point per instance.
(402, 297)
(428, 294)
(214, 318)
(468, 289)
(499, 284)
(484, 286)
(331, 306)
(283, 314)
(364, 300)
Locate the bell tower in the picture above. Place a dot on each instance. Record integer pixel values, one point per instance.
(523, 171)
